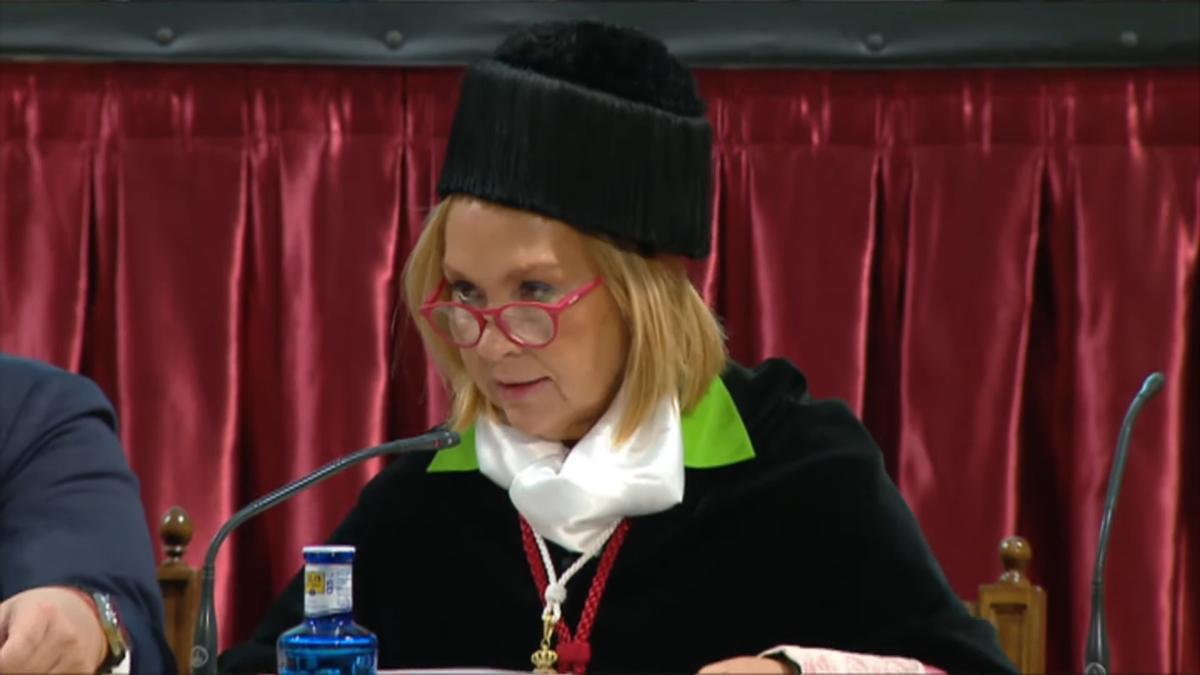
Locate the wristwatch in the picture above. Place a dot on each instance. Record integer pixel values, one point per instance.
(114, 633)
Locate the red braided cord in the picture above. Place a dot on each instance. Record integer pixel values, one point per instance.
(592, 603)
(534, 556)
(600, 581)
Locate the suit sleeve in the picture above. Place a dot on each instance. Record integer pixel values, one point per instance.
(70, 509)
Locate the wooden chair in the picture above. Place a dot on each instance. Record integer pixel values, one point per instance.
(1016, 607)
(180, 585)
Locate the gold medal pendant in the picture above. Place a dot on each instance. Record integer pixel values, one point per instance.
(545, 657)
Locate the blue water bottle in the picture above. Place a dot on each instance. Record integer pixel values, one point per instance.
(328, 642)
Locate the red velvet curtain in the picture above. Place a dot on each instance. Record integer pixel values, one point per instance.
(983, 263)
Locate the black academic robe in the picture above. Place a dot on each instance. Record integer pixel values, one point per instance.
(808, 543)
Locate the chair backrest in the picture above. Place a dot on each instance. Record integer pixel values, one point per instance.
(180, 585)
(1015, 606)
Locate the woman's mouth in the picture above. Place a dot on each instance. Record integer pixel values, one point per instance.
(517, 390)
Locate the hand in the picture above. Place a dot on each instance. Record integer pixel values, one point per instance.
(50, 630)
(746, 664)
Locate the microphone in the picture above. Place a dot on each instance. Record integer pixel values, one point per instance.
(1096, 659)
(204, 646)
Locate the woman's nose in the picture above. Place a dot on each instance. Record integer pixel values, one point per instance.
(494, 344)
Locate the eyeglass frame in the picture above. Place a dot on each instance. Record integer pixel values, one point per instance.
(481, 316)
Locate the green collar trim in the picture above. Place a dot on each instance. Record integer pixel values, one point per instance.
(459, 458)
(713, 436)
(713, 433)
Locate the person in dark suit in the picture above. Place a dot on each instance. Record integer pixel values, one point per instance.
(77, 584)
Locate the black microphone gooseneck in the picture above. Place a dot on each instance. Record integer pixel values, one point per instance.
(204, 649)
(1096, 660)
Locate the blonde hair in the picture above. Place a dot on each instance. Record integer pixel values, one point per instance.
(676, 346)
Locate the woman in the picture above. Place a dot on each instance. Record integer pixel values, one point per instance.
(624, 499)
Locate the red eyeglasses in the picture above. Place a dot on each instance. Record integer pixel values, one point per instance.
(529, 324)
